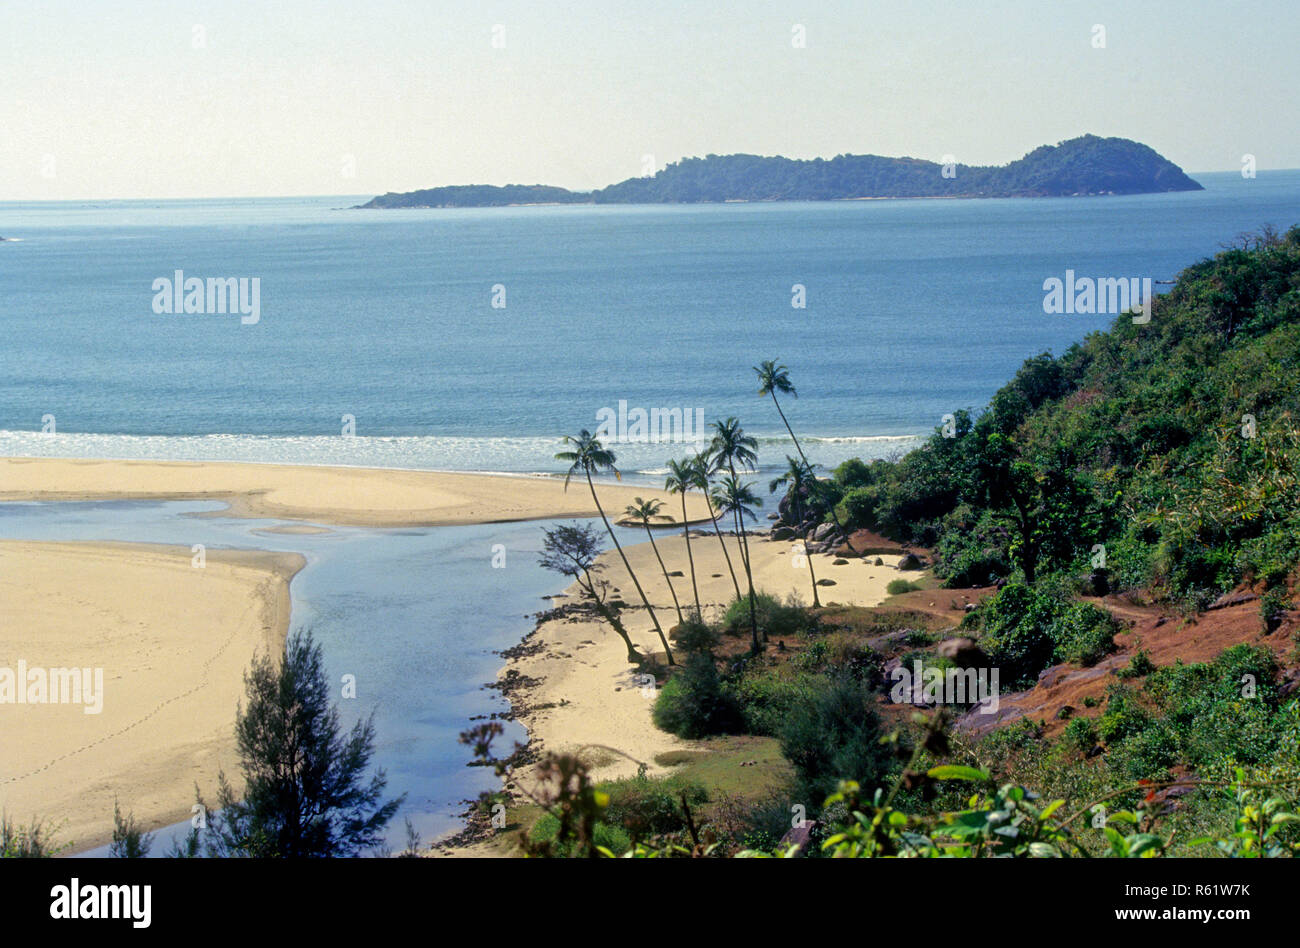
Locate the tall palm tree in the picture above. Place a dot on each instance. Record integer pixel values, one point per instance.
(703, 466)
(680, 480)
(798, 476)
(731, 446)
(645, 511)
(589, 456)
(773, 378)
(739, 500)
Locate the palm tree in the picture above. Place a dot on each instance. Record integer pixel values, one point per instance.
(702, 469)
(733, 497)
(773, 378)
(680, 479)
(798, 475)
(644, 511)
(731, 446)
(589, 456)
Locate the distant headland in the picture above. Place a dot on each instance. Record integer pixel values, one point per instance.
(1088, 165)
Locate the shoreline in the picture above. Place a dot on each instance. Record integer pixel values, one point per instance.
(345, 496)
(172, 641)
(570, 686)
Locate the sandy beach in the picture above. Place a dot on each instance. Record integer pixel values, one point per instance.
(588, 695)
(173, 642)
(372, 497)
(139, 610)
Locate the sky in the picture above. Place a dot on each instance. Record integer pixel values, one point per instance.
(102, 99)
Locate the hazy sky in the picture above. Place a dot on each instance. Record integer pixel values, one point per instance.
(104, 99)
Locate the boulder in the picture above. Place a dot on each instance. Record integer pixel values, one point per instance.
(911, 561)
(824, 531)
(964, 652)
(800, 837)
(784, 533)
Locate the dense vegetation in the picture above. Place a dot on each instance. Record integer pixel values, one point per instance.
(1160, 456)
(1157, 462)
(1085, 165)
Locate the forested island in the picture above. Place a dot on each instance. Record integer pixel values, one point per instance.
(1087, 165)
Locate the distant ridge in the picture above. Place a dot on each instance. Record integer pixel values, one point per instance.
(1088, 165)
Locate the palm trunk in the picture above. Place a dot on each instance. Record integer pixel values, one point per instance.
(668, 579)
(635, 582)
(798, 512)
(848, 540)
(731, 569)
(749, 575)
(686, 532)
(610, 616)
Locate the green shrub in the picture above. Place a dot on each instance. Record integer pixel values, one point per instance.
(1084, 634)
(1273, 606)
(1017, 623)
(1147, 754)
(897, 587)
(1081, 735)
(1124, 716)
(694, 703)
(767, 698)
(834, 736)
(547, 827)
(696, 635)
(647, 806)
(775, 618)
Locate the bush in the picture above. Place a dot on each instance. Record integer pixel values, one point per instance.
(1084, 634)
(695, 635)
(857, 508)
(775, 618)
(1018, 641)
(613, 838)
(1029, 628)
(832, 737)
(645, 806)
(1081, 735)
(1273, 606)
(768, 698)
(1147, 755)
(1124, 716)
(694, 703)
(897, 587)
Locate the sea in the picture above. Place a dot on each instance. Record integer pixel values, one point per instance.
(476, 339)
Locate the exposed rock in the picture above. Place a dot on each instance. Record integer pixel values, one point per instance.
(1231, 599)
(964, 652)
(784, 533)
(911, 561)
(840, 563)
(799, 836)
(825, 582)
(773, 516)
(824, 531)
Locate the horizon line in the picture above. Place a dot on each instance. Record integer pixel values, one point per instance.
(362, 194)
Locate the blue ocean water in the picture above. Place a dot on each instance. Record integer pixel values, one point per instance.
(914, 308)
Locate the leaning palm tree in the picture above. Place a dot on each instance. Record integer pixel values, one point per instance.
(799, 477)
(643, 512)
(739, 500)
(773, 378)
(703, 466)
(680, 480)
(589, 456)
